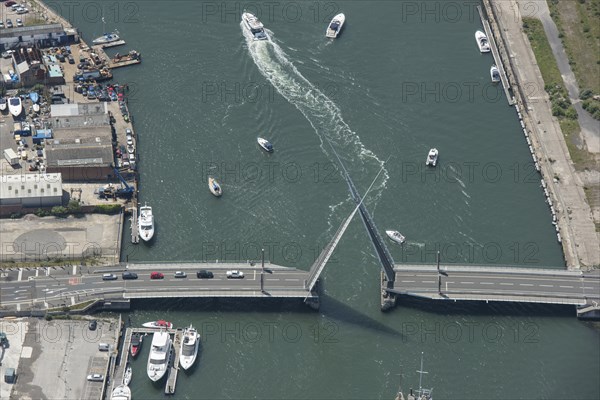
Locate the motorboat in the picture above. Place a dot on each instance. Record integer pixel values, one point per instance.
(36, 107)
(335, 26)
(189, 348)
(34, 96)
(396, 236)
(214, 187)
(254, 26)
(127, 375)
(482, 42)
(495, 74)
(265, 144)
(121, 392)
(136, 344)
(15, 106)
(158, 324)
(158, 359)
(432, 157)
(107, 38)
(3, 103)
(146, 223)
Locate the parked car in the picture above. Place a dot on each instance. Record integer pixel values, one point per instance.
(71, 59)
(109, 277)
(22, 10)
(2, 27)
(7, 53)
(180, 274)
(131, 157)
(92, 325)
(129, 140)
(10, 3)
(95, 377)
(157, 275)
(9, 23)
(204, 274)
(235, 274)
(129, 275)
(19, 23)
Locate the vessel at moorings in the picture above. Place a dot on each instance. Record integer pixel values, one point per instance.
(482, 42)
(189, 348)
(159, 355)
(121, 392)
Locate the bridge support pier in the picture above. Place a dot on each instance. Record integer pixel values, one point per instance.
(388, 299)
(313, 302)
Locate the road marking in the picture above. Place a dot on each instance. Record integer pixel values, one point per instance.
(486, 283)
(37, 272)
(74, 269)
(9, 287)
(408, 281)
(72, 300)
(292, 280)
(567, 287)
(428, 281)
(506, 284)
(20, 274)
(20, 290)
(19, 307)
(47, 271)
(20, 297)
(525, 284)
(468, 283)
(547, 285)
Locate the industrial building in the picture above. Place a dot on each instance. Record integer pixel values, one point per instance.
(82, 159)
(31, 190)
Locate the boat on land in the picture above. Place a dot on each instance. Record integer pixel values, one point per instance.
(335, 26)
(254, 26)
(2, 103)
(146, 223)
(127, 375)
(265, 144)
(159, 355)
(36, 107)
(158, 324)
(121, 392)
(214, 187)
(396, 236)
(136, 344)
(15, 106)
(495, 74)
(482, 42)
(421, 393)
(107, 38)
(432, 157)
(189, 349)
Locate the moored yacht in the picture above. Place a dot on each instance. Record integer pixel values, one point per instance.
(432, 157)
(159, 355)
(495, 74)
(107, 38)
(136, 344)
(158, 324)
(127, 375)
(335, 26)
(121, 392)
(15, 106)
(265, 144)
(189, 348)
(146, 223)
(396, 236)
(254, 26)
(482, 42)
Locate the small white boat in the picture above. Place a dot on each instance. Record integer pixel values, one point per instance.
(482, 42)
(254, 26)
(396, 236)
(127, 375)
(214, 187)
(15, 106)
(36, 108)
(432, 157)
(495, 74)
(121, 392)
(159, 355)
(265, 144)
(2, 103)
(107, 38)
(158, 324)
(189, 347)
(146, 223)
(335, 26)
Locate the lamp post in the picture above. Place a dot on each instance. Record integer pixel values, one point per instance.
(262, 272)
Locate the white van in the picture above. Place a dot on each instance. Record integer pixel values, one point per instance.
(103, 346)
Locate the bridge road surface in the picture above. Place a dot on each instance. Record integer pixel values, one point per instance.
(56, 290)
(498, 284)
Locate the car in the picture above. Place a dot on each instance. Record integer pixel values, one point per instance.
(92, 325)
(235, 274)
(180, 274)
(71, 59)
(130, 149)
(8, 53)
(157, 275)
(19, 23)
(129, 275)
(131, 157)
(109, 277)
(2, 27)
(129, 139)
(95, 377)
(22, 10)
(10, 3)
(128, 132)
(83, 65)
(204, 274)
(9, 23)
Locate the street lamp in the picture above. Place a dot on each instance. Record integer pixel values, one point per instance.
(262, 272)
(440, 273)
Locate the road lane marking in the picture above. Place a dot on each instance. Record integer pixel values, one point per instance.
(468, 283)
(525, 284)
(408, 281)
(9, 287)
(487, 283)
(428, 281)
(506, 284)
(546, 285)
(20, 274)
(74, 270)
(567, 287)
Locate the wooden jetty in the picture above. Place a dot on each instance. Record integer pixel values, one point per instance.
(135, 233)
(174, 367)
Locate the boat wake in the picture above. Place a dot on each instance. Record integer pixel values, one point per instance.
(321, 112)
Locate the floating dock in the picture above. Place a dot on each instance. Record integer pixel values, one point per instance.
(135, 233)
(174, 363)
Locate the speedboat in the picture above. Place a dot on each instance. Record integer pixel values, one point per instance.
(107, 38)
(254, 26)
(396, 236)
(482, 42)
(15, 106)
(136, 344)
(2, 103)
(158, 324)
(495, 74)
(159, 355)
(189, 348)
(127, 375)
(335, 26)
(265, 144)
(146, 223)
(121, 392)
(214, 187)
(432, 157)
(34, 97)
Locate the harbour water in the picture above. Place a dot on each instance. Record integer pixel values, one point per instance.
(396, 83)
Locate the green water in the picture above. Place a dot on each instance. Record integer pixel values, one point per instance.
(395, 84)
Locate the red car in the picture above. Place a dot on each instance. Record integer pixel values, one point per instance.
(10, 3)
(157, 275)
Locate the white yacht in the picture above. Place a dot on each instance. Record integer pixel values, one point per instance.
(482, 42)
(146, 223)
(265, 144)
(15, 106)
(189, 347)
(335, 26)
(2, 103)
(432, 157)
(396, 236)
(214, 187)
(107, 38)
(159, 355)
(121, 392)
(255, 27)
(495, 74)
(127, 375)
